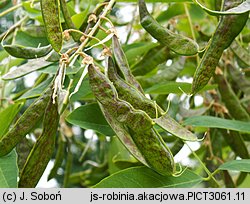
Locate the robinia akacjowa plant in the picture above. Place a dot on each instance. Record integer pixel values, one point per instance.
(103, 90)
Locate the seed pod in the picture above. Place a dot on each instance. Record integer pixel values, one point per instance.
(129, 123)
(123, 135)
(102, 88)
(23, 149)
(156, 153)
(231, 101)
(68, 165)
(42, 150)
(59, 157)
(227, 30)
(130, 94)
(27, 52)
(97, 82)
(177, 43)
(25, 124)
(173, 127)
(106, 94)
(51, 18)
(122, 63)
(236, 143)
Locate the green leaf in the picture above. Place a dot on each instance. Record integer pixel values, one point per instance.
(36, 91)
(79, 18)
(13, 62)
(236, 165)
(196, 13)
(7, 115)
(164, 74)
(3, 54)
(30, 66)
(214, 122)
(150, 60)
(34, 30)
(143, 177)
(242, 8)
(135, 51)
(119, 157)
(84, 92)
(8, 171)
(90, 117)
(52, 69)
(32, 11)
(174, 87)
(172, 11)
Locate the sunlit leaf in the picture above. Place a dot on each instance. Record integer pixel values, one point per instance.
(90, 117)
(174, 87)
(7, 115)
(30, 66)
(214, 122)
(236, 165)
(8, 171)
(143, 177)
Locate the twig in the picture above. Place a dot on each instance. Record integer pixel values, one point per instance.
(210, 175)
(93, 30)
(191, 27)
(17, 24)
(13, 8)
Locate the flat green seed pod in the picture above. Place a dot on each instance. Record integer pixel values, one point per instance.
(227, 30)
(42, 150)
(51, 18)
(130, 94)
(176, 129)
(24, 124)
(177, 43)
(133, 127)
(122, 63)
(27, 52)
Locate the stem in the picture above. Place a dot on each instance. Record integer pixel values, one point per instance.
(17, 24)
(93, 30)
(191, 27)
(210, 175)
(66, 98)
(222, 5)
(190, 21)
(84, 43)
(10, 9)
